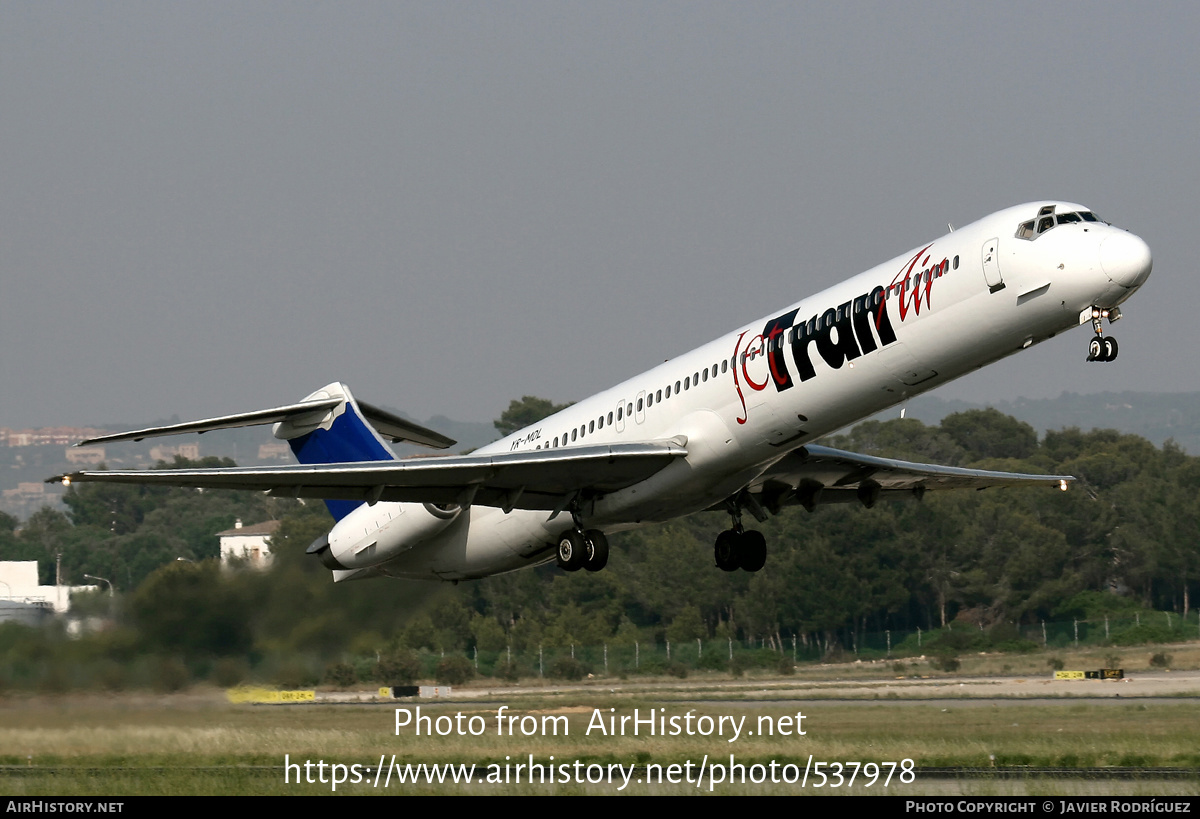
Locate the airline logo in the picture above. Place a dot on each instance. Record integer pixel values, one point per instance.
(838, 335)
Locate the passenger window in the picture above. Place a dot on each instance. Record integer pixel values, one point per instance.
(676, 386)
(620, 413)
(610, 419)
(556, 440)
(706, 373)
(592, 426)
(600, 423)
(649, 400)
(696, 378)
(639, 405)
(725, 364)
(629, 410)
(573, 432)
(687, 382)
(956, 263)
(658, 396)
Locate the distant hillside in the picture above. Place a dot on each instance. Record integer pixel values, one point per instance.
(1156, 416)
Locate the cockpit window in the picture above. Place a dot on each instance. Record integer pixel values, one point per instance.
(1047, 219)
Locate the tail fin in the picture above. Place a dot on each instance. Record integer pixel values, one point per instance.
(340, 434)
(327, 427)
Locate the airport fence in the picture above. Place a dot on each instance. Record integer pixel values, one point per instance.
(782, 652)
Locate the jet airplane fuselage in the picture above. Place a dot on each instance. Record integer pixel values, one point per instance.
(741, 403)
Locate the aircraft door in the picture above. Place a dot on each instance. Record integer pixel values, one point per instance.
(991, 265)
(640, 403)
(620, 415)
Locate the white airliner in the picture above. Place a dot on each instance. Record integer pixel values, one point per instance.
(727, 426)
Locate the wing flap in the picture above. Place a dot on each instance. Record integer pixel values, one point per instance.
(517, 480)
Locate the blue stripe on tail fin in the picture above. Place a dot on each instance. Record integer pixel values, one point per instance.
(340, 436)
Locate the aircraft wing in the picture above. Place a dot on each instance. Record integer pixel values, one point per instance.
(814, 475)
(546, 479)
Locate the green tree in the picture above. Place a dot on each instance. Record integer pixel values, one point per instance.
(488, 634)
(989, 433)
(191, 608)
(529, 410)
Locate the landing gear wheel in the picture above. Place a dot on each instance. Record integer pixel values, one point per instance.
(572, 551)
(727, 551)
(754, 550)
(1096, 349)
(597, 550)
(1110, 349)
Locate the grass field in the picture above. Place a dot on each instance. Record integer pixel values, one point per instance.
(198, 744)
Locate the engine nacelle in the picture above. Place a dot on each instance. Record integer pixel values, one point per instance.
(371, 535)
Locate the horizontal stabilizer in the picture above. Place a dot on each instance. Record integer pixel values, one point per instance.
(300, 414)
(316, 409)
(396, 429)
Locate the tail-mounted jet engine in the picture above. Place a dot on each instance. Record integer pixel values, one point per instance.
(372, 535)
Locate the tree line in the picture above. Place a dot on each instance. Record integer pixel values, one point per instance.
(1122, 540)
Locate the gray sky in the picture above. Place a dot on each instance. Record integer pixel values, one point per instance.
(214, 207)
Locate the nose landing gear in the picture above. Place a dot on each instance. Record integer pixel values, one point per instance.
(1102, 348)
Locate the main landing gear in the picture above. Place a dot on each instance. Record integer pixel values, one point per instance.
(740, 548)
(1102, 348)
(580, 548)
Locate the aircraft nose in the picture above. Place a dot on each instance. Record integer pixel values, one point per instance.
(1125, 259)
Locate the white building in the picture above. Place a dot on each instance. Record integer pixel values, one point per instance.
(167, 453)
(19, 584)
(248, 543)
